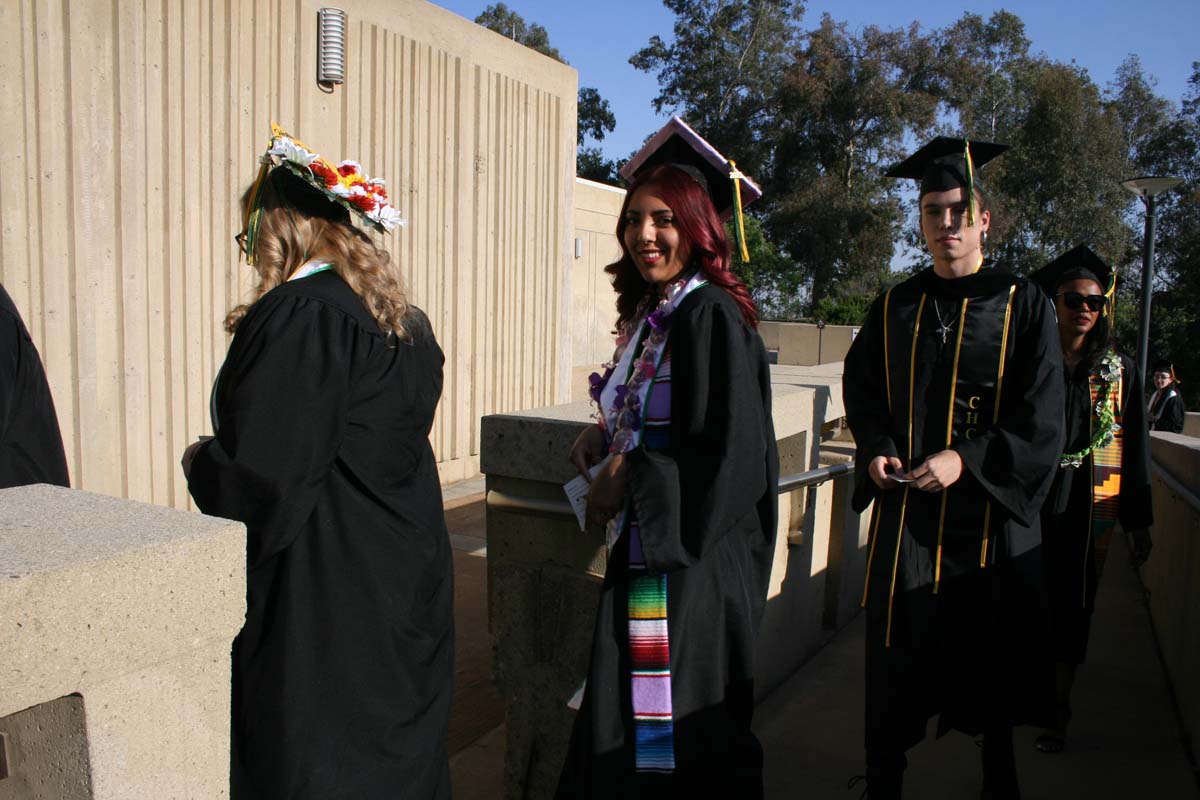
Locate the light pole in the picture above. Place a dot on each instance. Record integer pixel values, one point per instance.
(1147, 188)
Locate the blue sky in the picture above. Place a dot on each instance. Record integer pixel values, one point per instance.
(597, 38)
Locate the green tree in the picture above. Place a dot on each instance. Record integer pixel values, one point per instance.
(985, 70)
(721, 68)
(1060, 185)
(595, 116)
(1173, 148)
(845, 104)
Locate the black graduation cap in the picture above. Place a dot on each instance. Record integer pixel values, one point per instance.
(946, 162)
(1078, 262)
(677, 144)
(1163, 365)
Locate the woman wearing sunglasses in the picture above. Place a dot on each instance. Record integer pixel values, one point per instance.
(1104, 473)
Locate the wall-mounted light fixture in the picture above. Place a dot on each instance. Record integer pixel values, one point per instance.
(331, 47)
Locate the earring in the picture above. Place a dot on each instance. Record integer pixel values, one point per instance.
(983, 243)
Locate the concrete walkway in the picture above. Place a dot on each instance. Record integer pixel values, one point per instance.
(1124, 740)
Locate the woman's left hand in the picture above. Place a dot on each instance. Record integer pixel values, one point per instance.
(607, 493)
(939, 472)
(190, 454)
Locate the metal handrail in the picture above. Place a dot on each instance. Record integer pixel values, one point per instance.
(814, 477)
(541, 507)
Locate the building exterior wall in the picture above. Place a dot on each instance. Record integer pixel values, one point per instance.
(133, 129)
(593, 302)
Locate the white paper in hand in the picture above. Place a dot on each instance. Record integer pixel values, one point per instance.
(577, 492)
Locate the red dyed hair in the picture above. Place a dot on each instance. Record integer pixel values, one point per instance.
(699, 227)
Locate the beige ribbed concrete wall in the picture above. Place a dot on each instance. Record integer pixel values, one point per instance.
(132, 126)
(593, 301)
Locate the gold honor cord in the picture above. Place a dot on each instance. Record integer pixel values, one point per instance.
(887, 358)
(876, 515)
(878, 511)
(937, 564)
(987, 509)
(739, 219)
(912, 371)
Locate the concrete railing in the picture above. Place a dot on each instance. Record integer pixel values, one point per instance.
(544, 574)
(1191, 424)
(117, 619)
(806, 344)
(1172, 574)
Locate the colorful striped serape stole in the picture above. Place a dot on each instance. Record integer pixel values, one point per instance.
(1106, 474)
(649, 646)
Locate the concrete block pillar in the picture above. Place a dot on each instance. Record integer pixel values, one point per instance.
(115, 642)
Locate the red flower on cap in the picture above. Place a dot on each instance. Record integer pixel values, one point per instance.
(322, 171)
(363, 201)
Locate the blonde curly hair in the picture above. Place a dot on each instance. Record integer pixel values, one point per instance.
(297, 225)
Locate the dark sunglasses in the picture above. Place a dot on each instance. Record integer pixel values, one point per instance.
(241, 242)
(1075, 300)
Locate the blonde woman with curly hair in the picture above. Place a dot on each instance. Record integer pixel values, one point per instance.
(343, 671)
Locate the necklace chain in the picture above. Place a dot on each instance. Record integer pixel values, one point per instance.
(944, 328)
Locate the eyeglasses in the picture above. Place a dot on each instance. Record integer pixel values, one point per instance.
(1075, 300)
(241, 242)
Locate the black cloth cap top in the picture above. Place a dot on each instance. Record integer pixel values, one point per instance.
(679, 145)
(1162, 365)
(942, 164)
(1078, 262)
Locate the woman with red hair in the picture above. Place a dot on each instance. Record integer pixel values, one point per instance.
(683, 473)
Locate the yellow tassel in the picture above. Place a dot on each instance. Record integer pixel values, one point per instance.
(970, 183)
(739, 220)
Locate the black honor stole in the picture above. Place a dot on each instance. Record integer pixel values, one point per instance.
(978, 345)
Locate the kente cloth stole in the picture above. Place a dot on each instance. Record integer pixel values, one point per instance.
(649, 647)
(1106, 470)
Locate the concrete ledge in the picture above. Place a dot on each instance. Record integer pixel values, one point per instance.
(134, 607)
(1172, 574)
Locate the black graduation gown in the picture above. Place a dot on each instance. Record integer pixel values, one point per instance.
(343, 672)
(31, 448)
(706, 510)
(1071, 574)
(976, 650)
(1169, 410)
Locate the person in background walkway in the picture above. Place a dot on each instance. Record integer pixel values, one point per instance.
(31, 448)
(688, 492)
(1166, 405)
(343, 671)
(953, 392)
(1104, 475)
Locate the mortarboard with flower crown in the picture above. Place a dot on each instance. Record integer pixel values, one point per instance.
(344, 184)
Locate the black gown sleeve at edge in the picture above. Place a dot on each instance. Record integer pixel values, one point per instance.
(864, 392)
(1014, 460)
(1135, 509)
(715, 473)
(281, 421)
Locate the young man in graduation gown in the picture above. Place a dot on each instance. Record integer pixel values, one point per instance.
(1166, 406)
(953, 392)
(1104, 473)
(31, 448)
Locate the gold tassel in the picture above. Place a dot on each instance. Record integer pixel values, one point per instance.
(970, 183)
(739, 220)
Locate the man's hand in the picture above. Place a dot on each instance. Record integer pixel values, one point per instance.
(939, 472)
(878, 470)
